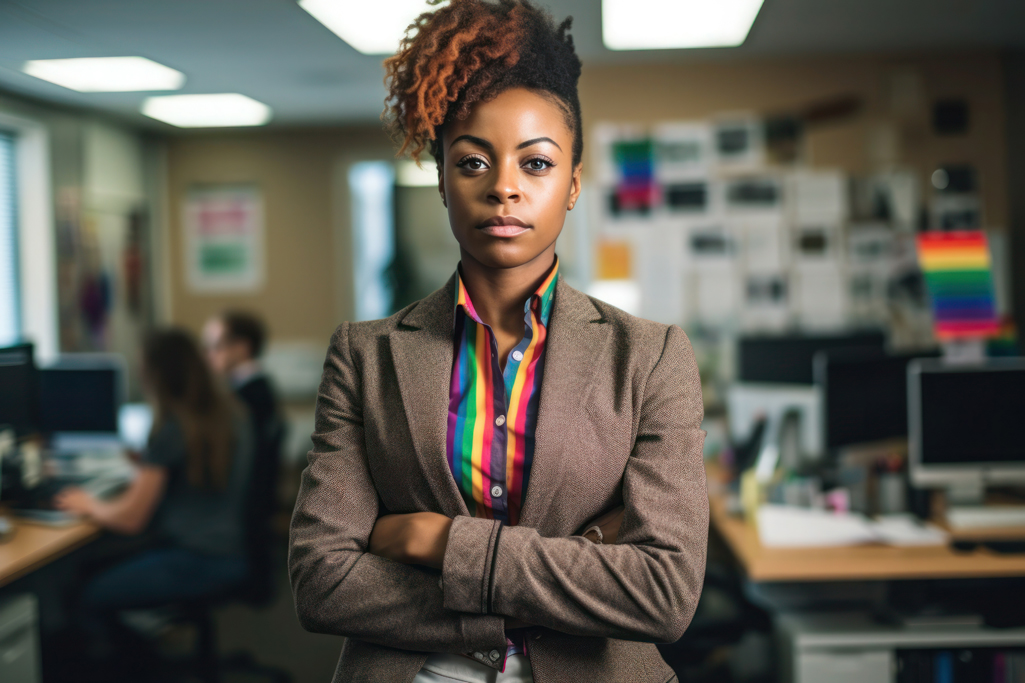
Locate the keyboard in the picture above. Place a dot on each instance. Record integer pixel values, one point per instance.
(38, 505)
(986, 517)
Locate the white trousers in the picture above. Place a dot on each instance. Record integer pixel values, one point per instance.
(448, 668)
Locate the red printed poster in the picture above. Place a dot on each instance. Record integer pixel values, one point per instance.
(224, 238)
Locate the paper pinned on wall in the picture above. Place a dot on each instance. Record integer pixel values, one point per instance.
(739, 142)
(712, 245)
(764, 243)
(766, 302)
(683, 151)
(821, 296)
(661, 250)
(817, 242)
(818, 196)
(717, 296)
(224, 238)
(755, 194)
(614, 260)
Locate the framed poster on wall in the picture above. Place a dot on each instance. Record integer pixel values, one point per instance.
(224, 240)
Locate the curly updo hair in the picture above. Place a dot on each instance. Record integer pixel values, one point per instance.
(472, 51)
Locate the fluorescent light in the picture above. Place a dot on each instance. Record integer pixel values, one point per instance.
(374, 27)
(106, 74)
(671, 24)
(408, 174)
(207, 111)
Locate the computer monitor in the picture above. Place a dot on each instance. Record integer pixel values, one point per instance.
(81, 395)
(965, 423)
(788, 359)
(864, 395)
(18, 389)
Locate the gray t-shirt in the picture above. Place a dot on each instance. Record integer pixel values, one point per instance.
(205, 521)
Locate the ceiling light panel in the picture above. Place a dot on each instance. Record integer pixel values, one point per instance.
(373, 27)
(106, 74)
(674, 24)
(207, 111)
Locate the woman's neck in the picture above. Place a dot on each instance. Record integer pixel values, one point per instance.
(499, 294)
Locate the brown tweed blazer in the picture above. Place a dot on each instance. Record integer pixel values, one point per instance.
(618, 424)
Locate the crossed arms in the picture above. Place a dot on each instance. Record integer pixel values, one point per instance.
(370, 578)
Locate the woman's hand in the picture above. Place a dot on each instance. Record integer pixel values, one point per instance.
(415, 538)
(75, 501)
(609, 524)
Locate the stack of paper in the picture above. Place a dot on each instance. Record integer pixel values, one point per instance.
(786, 526)
(783, 526)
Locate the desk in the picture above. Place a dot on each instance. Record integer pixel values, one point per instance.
(34, 545)
(852, 563)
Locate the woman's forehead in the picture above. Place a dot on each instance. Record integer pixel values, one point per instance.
(514, 116)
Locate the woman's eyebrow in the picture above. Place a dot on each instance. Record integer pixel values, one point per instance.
(528, 143)
(480, 142)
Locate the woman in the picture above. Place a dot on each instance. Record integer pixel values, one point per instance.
(462, 443)
(188, 492)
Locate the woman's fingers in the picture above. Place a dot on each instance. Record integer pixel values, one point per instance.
(610, 528)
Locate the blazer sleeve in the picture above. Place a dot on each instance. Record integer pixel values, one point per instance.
(644, 587)
(339, 587)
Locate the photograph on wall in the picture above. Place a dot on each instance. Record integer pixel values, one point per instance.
(224, 238)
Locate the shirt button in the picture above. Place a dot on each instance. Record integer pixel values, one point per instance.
(517, 355)
(495, 654)
(496, 491)
(500, 420)
(478, 655)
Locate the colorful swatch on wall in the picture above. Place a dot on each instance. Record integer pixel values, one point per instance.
(636, 190)
(957, 274)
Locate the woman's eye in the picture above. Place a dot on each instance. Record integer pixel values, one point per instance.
(539, 164)
(473, 164)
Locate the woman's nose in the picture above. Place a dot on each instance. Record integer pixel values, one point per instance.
(506, 186)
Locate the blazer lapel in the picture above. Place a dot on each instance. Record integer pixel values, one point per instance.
(577, 338)
(422, 352)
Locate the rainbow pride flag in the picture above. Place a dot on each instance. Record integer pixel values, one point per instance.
(957, 275)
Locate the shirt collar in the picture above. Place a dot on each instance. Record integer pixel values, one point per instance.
(244, 372)
(542, 296)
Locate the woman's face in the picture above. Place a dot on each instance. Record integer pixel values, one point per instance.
(508, 179)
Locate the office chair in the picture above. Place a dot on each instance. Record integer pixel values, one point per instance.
(724, 616)
(259, 589)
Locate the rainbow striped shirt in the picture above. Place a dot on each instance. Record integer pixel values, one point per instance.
(492, 414)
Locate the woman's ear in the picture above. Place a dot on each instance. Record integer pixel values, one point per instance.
(574, 188)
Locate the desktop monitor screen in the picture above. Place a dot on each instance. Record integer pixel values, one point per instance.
(18, 389)
(79, 399)
(864, 395)
(788, 359)
(967, 420)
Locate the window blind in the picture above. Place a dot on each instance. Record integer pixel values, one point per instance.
(10, 314)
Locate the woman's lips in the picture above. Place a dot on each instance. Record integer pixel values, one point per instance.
(503, 226)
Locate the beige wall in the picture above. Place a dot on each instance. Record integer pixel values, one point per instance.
(302, 298)
(652, 93)
(308, 290)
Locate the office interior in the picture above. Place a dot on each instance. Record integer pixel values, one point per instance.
(804, 204)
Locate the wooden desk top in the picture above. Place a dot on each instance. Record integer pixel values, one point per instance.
(852, 563)
(34, 545)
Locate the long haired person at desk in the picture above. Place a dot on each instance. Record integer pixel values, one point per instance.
(189, 492)
(466, 446)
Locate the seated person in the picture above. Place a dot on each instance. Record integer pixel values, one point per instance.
(234, 342)
(189, 493)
